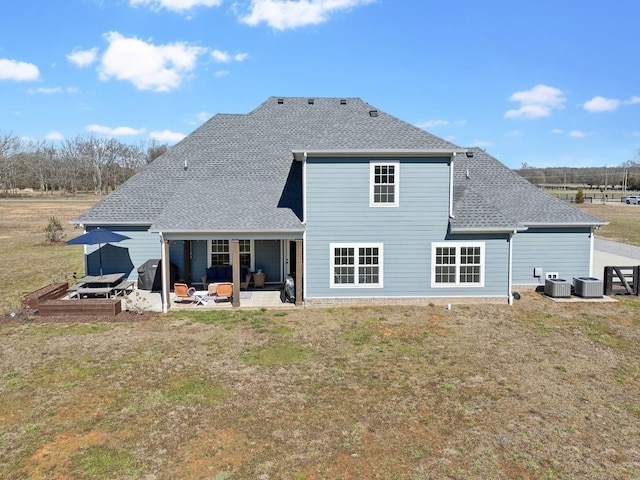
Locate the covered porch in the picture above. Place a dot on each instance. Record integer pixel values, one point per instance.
(269, 261)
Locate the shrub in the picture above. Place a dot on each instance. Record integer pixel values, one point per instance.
(53, 231)
(580, 196)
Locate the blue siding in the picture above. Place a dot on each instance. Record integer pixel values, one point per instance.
(565, 251)
(267, 257)
(337, 210)
(197, 262)
(127, 255)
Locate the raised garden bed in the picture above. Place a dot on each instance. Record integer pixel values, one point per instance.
(86, 306)
(52, 291)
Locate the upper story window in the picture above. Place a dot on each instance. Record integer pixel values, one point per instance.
(457, 264)
(384, 181)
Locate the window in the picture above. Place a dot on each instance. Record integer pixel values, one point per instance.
(384, 180)
(457, 264)
(221, 252)
(354, 265)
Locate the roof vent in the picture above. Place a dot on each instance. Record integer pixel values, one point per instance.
(373, 113)
(280, 101)
(343, 101)
(469, 154)
(311, 101)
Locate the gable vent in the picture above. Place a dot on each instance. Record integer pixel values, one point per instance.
(280, 101)
(373, 113)
(311, 101)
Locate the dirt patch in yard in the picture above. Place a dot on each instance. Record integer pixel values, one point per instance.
(536, 390)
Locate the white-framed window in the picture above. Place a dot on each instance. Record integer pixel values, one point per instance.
(220, 252)
(356, 265)
(384, 179)
(457, 264)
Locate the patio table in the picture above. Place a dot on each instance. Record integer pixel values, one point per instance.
(101, 281)
(202, 297)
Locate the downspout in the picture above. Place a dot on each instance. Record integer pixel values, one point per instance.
(510, 273)
(451, 186)
(165, 274)
(591, 247)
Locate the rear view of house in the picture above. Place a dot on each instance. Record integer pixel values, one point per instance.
(352, 203)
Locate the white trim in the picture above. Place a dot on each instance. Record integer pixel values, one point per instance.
(457, 283)
(396, 183)
(453, 156)
(356, 246)
(304, 189)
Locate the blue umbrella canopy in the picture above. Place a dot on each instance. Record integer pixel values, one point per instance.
(98, 237)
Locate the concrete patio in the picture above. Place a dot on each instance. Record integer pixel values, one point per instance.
(257, 299)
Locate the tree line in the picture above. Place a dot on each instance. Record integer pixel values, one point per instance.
(85, 163)
(622, 177)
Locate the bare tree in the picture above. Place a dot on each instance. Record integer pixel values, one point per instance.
(11, 149)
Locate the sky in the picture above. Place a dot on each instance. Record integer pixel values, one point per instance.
(542, 83)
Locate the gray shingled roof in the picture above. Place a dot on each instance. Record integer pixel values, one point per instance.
(240, 174)
(488, 196)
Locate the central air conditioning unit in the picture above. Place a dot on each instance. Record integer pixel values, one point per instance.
(588, 287)
(557, 288)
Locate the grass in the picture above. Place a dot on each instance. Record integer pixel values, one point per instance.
(28, 260)
(538, 390)
(623, 226)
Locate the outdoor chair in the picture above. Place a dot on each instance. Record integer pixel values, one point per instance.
(224, 291)
(184, 292)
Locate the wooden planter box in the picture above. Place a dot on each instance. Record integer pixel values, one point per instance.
(86, 306)
(53, 291)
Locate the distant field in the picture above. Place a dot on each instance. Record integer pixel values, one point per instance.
(27, 261)
(624, 221)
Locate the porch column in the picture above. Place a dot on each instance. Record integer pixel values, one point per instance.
(166, 269)
(299, 276)
(235, 262)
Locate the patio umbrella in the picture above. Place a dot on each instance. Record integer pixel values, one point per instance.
(98, 237)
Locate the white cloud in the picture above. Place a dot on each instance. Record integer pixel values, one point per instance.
(45, 90)
(537, 102)
(52, 90)
(167, 136)
(285, 14)
(602, 104)
(83, 58)
(513, 133)
(440, 123)
(114, 132)
(54, 136)
(160, 68)
(433, 123)
(557, 131)
(221, 73)
(18, 71)
(203, 116)
(578, 134)
(175, 5)
(482, 143)
(225, 57)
